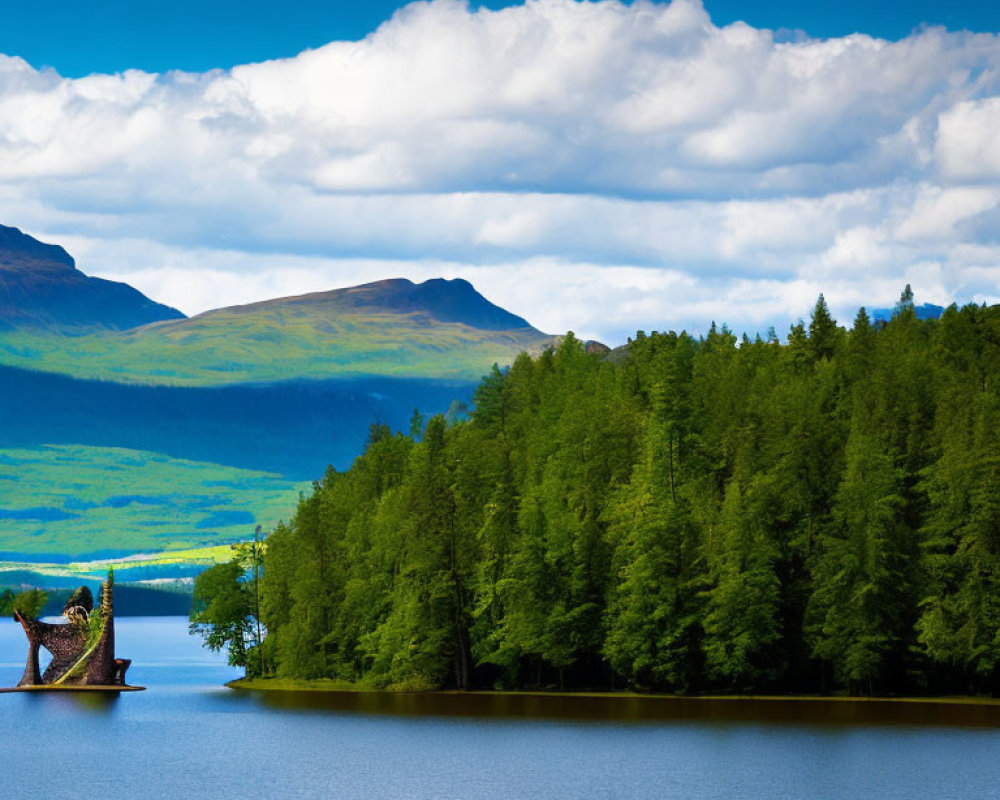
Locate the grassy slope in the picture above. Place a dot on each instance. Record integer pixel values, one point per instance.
(272, 345)
(167, 571)
(75, 500)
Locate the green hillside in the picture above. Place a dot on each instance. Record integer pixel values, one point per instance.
(73, 506)
(368, 330)
(73, 501)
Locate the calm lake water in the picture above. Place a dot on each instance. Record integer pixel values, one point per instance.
(189, 737)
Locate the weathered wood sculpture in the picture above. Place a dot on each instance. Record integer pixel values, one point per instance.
(83, 649)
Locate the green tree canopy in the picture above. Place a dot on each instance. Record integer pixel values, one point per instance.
(684, 514)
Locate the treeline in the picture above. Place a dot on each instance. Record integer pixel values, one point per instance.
(689, 515)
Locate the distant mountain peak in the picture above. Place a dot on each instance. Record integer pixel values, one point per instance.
(443, 299)
(41, 288)
(453, 300)
(925, 311)
(18, 249)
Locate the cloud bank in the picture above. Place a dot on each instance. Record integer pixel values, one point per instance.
(592, 166)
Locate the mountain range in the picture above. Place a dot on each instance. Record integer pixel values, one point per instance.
(56, 319)
(134, 433)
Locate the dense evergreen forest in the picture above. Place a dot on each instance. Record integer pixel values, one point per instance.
(686, 515)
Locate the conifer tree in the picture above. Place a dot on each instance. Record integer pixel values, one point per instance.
(684, 515)
(859, 601)
(823, 331)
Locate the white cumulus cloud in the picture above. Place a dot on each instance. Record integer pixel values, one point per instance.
(595, 166)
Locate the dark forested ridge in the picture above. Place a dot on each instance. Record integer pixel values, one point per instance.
(293, 428)
(698, 515)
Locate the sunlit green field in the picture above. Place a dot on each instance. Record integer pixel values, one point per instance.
(96, 502)
(165, 569)
(226, 347)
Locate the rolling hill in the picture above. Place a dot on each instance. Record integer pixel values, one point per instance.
(439, 329)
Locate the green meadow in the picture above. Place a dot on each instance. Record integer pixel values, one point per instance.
(165, 571)
(64, 503)
(272, 345)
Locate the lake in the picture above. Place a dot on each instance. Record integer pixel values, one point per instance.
(189, 737)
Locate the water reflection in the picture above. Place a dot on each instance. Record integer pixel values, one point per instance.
(94, 703)
(189, 738)
(620, 710)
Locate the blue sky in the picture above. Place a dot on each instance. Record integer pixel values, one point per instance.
(601, 167)
(78, 38)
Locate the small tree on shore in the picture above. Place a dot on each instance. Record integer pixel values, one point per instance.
(225, 608)
(221, 610)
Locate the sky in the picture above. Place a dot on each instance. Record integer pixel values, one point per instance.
(601, 167)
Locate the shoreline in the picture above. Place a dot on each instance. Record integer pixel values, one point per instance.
(335, 687)
(100, 688)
